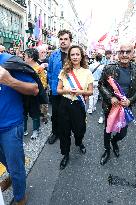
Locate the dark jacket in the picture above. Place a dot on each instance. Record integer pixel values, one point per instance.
(106, 90)
(15, 63)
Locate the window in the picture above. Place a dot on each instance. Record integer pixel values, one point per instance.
(49, 22)
(35, 10)
(49, 4)
(44, 20)
(40, 12)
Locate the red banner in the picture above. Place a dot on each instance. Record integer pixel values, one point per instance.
(103, 37)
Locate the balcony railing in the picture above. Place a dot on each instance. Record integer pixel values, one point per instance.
(21, 2)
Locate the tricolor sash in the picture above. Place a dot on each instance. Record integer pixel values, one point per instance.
(74, 84)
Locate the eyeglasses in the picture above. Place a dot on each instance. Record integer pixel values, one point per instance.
(122, 52)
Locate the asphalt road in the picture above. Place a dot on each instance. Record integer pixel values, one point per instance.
(84, 181)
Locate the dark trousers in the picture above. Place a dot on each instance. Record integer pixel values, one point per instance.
(32, 108)
(55, 105)
(117, 137)
(36, 123)
(72, 117)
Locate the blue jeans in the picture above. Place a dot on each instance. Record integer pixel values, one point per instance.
(12, 156)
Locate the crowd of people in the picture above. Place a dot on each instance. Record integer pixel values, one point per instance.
(75, 83)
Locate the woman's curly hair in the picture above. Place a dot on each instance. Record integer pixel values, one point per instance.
(68, 66)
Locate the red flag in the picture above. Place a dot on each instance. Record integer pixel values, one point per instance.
(103, 37)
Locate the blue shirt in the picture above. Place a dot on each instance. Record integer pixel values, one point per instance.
(98, 72)
(11, 104)
(106, 61)
(124, 79)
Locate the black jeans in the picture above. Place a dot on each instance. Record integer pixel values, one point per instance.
(54, 118)
(117, 137)
(72, 117)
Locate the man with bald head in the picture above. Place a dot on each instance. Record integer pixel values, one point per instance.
(43, 58)
(124, 73)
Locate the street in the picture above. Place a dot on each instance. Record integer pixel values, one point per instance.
(61, 48)
(84, 180)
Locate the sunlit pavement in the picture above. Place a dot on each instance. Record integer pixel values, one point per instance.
(84, 181)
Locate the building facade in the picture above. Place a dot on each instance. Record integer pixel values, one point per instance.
(55, 15)
(48, 11)
(19, 18)
(13, 21)
(69, 19)
(127, 26)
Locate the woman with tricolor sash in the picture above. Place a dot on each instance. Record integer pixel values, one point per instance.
(75, 85)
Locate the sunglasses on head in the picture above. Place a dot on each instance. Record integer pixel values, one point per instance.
(122, 52)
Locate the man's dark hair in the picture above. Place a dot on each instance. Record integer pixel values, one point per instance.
(62, 32)
(32, 53)
(108, 52)
(98, 57)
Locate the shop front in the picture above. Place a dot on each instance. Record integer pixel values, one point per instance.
(10, 28)
(10, 40)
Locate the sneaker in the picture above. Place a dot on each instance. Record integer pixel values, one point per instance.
(26, 133)
(100, 121)
(35, 134)
(89, 111)
(94, 109)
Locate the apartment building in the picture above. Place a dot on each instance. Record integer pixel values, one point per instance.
(12, 22)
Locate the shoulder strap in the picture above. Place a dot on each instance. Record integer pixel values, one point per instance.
(95, 68)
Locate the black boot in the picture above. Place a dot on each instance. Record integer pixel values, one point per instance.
(64, 161)
(52, 139)
(82, 148)
(105, 157)
(115, 147)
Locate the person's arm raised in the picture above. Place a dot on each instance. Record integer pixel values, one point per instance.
(25, 88)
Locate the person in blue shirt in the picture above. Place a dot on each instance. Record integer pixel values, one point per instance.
(56, 62)
(96, 69)
(12, 86)
(107, 58)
